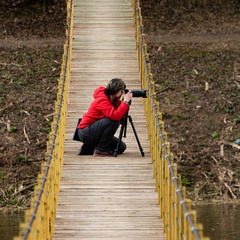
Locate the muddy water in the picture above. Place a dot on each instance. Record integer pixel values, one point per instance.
(221, 222)
(9, 225)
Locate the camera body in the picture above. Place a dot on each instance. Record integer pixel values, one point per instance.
(137, 93)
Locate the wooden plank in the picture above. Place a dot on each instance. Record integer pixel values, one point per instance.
(95, 234)
(106, 198)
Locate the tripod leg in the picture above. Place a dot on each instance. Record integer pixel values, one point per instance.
(120, 137)
(125, 126)
(135, 133)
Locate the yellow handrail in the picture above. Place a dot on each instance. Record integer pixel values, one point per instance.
(175, 209)
(39, 218)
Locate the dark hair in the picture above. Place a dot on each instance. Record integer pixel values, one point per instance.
(114, 86)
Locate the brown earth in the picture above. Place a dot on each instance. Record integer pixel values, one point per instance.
(195, 60)
(31, 46)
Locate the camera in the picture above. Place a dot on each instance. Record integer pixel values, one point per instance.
(137, 93)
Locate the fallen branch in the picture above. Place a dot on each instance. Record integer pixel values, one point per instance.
(205, 175)
(25, 134)
(40, 142)
(3, 122)
(238, 159)
(8, 64)
(230, 190)
(237, 82)
(49, 115)
(23, 189)
(206, 86)
(232, 144)
(215, 160)
(221, 178)
(4, 195)
(7, 124)
(222, 150)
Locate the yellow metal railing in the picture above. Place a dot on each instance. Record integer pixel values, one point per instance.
(175, 209)
(39, 219)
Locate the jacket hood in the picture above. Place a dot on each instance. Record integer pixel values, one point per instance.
(99, 93)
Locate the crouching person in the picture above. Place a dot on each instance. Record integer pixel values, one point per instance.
(99, 124)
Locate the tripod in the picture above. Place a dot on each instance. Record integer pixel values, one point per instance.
(124, 130)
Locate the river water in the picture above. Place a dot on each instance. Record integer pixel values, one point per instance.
(221, 222)
(9, 225)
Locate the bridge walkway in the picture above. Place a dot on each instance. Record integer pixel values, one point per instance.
(106, 198)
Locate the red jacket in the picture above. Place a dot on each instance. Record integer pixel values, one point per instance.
(102, 107)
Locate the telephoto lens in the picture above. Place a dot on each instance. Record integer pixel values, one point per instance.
(137, 93)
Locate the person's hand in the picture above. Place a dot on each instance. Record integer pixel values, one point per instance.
(128, 96)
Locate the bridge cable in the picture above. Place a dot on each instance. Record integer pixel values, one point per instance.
(174, 178)
(68, 27)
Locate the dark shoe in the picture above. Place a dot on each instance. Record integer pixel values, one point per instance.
(86, 150)
(100, 153)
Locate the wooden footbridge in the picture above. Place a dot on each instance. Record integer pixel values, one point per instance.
(127, 197)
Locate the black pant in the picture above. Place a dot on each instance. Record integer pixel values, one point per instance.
(100, 134)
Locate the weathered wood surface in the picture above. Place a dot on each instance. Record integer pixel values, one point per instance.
(106, 198)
